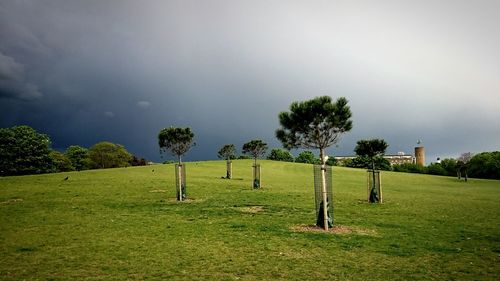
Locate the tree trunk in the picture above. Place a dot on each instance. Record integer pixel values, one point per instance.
(228, 169)
(373, 191)
(179, 175)
(323, 188)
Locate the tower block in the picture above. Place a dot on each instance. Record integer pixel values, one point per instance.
(420, 155)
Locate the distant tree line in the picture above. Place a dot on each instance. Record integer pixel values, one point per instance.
(24, 151)
(485, 165)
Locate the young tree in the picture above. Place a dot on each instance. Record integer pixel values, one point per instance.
(176, 140)
(315, 124)
(371, 149)
(255, 148)
(227, 152)
(24, 151)
(278, 154)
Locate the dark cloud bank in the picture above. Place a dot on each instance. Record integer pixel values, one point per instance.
(85, 71)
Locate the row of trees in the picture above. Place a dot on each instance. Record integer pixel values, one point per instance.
(25, 151)
(313, 124)
(484, 165)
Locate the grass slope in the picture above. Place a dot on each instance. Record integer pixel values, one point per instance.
(120, 224)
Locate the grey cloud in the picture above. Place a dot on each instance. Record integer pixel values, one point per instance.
(143, 104)
(227, 68)
(13, 82)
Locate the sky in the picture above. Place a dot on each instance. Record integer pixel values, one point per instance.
(120, 71)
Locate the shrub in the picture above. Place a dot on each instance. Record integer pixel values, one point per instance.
(436, 169)
(409, 168)
(307, 157)
(278, 154)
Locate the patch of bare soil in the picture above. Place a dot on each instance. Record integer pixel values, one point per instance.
(12, 201)
(337, 229)
(187, 200)
(251, 209)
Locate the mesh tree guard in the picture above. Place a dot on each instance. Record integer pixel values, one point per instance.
(180, 182)
(374, 187)
(318, 195)
(256, 176)
(229, 170)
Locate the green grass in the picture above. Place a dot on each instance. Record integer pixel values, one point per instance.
(120, 224)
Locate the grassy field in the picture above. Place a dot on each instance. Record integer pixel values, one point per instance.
(120, 224)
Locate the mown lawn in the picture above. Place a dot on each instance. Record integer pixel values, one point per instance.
(120, 224)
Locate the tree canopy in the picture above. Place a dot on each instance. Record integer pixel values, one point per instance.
(371, 148)
(24, 151)
(79, 157)
(314, 124)
(176, 140)
(109, 155)
(227, 152)
(307, 157)
(278, 154)
(255, 148)
(60, 162)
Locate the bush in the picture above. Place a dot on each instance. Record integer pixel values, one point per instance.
(409, 168)
(485, 165)
(244, 157)
(332, 161)
(436, 169)
(307, 157)
(450, 166)
(278, 154)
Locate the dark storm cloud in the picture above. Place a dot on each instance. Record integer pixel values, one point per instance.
(121, 70)
(13, 83)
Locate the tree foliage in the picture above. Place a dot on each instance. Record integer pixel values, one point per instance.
(24, 151)
(137, 161)
(278, 154)
(307, 157)
(227, 152)
(60, 163)
(255, 148)
(314, 124)
(365, 162)
(176, 140)
(109, 155)
(370, 148)
(485, 165)
(79, 157)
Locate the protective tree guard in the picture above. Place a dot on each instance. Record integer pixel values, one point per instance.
(229, 169)
(374, 186)
(180, 182)
(256, 182)
(323, 193)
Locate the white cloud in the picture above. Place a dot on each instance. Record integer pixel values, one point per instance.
(143, 104)
(109, 114)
